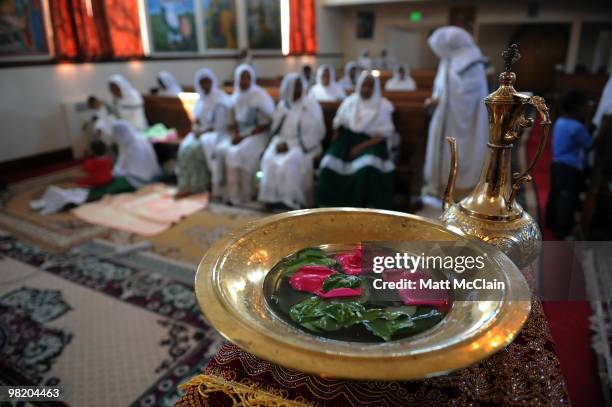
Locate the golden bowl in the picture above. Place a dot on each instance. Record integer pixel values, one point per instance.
(230, 290)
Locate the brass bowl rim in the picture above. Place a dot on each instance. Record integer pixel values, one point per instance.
(460, 354)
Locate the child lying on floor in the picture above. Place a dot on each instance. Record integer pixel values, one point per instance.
(99, 167)
(136, 165)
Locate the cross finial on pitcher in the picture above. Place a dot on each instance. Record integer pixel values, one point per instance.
(511, 55)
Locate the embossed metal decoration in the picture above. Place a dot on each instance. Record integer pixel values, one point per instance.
(230, 290)
(491, 213)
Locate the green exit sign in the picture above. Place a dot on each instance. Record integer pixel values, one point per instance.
(416, 16)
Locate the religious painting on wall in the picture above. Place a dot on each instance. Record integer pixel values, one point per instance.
(172, 25)
(23, 29)
(365, 24)
(264, 23)
(220, 24)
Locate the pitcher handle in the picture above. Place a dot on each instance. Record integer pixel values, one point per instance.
(540, 105)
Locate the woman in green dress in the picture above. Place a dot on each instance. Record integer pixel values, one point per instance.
(357, 169)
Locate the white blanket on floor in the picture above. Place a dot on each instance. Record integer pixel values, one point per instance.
(55, 199)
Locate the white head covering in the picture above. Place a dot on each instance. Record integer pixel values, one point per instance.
(287, 90)
(396, 83)
(605, 104)
(455, 44)
(302, 119)
(346, 81)
(253, 97)
(171, 86)
(371, 116)
(137, 160)
(208, 102)
(333, 91)
(129, 95)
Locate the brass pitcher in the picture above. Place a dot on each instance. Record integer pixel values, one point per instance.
(491, 212)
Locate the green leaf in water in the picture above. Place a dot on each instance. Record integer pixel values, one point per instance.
(341, 281)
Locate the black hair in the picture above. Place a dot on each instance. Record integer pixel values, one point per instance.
(91, 99)
(98, 147)
(572, 101)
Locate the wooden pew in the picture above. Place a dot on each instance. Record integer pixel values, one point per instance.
(169, 111)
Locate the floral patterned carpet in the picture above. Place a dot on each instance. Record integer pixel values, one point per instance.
(112, 330)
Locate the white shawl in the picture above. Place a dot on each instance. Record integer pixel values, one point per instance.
(252, 106)
(372, 116)
(137, 160)
(330, 93)
(298, 123)
(605, 104)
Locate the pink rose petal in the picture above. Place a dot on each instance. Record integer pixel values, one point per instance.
(351, 261)
(340, 292)
(439, 299)
(310, 278)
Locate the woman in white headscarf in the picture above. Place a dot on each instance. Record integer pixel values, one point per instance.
(357, 169)
(136, 165)
(136, 162)
(298, 129)
(364, 61)
(459, 89)
(127, 102)
(326, 89)
(201, 153)
(252, 109)
(349, 78)
(401, 80)
(168, 84)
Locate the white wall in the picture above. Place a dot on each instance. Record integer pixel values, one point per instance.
(30, 106)
(31, 117)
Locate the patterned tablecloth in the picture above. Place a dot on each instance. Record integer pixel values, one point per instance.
(526, 373)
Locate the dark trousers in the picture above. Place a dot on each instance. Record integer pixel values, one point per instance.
(563, 198)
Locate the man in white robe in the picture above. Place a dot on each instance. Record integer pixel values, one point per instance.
(252, 114)
(326, 89)
(459, 89)
(298, 130)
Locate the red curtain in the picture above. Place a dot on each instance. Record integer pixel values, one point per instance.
(90, 30)
(302, 27)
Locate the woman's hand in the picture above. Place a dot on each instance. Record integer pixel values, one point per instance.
(356, 150)
(282, 148)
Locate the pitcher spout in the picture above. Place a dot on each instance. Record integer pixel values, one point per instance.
(452, 175)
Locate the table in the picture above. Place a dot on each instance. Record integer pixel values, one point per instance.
(526, 373)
